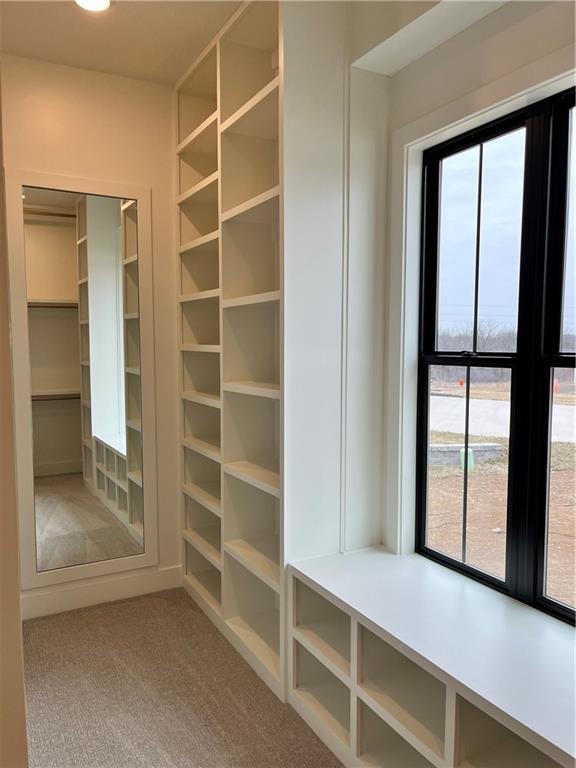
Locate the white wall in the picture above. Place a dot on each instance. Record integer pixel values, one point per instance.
(51, 267)
(84, 124)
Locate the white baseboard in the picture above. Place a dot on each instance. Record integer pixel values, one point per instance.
(80, 594)
(49, 468)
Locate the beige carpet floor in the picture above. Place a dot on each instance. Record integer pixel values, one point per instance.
(150, 683)
(74, 527)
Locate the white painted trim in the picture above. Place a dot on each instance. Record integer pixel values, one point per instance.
(522, 87)
(68, 597)
(16, 178)
(443, 21)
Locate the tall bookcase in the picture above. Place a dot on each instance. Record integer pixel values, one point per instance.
(114, 473)
(228, 222)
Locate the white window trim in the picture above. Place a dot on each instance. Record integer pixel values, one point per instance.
(525, 86)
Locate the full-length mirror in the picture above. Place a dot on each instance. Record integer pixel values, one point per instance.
(84, 333)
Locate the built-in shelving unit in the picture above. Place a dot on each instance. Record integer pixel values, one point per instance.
(227, 222)
(374, 705)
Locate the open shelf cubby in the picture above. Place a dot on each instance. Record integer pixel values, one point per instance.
(199, 269)
(136, 505)
(201, 322)
(322, 627)
(251, 431)
(100, 481)
(248, 56)
(482, 742)
(250, 242)
(133, 399)
(201, 428)
(197, 97)
(111, 491)
(130, 230)
(83, 303)
(198, 157)
(131, 288)
(84, 343)
(380, 746)
(252, 534)
(324, 695)
(134, 446)
(203, 475)
(403, 689)
(110, 461)
(199, 214)
(203, 577)
(132, 343)
(203, 531)
(88, 463)
(201, 377)
(249, 150)
(86, 423)
(250, 344)
(122, 499)
(85, 383)
(253, 615)
(81, 220)
(83, 260)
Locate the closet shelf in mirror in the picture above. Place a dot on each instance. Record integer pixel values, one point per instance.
(193, 135)
(207, 541)
(210, 450)
(56, 394)
(134, 424)
(132, 371)
(83, 322)
(249, 207)
(258, 475)
(135, 476)
(82, 240)
(86, 403)
(206, 585)
(121, 483)
(261, 558)
(200, 295)
(130, 259)
(85, 363)
(128, 204)
(207, 190)
(255, 388)
(131, 316)
(256, 298)
(252, 104)
(207, 494)
(200, 348)
(53, 304)
(198, 242)
(204, 398)
(87, 442)
(83, 281)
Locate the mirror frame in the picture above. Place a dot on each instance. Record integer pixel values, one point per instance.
(30, 578)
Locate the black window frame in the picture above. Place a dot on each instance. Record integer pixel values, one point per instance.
(542, 255)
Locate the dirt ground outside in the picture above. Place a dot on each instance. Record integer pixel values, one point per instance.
(486, 513)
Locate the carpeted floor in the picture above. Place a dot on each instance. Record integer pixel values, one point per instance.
(150, 683)
(74, 527)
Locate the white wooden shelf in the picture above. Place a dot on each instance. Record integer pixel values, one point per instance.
(134, 424)
(213, 293)
(185, 145)
(252, 105)
(198, 242)
(254, 388)
(81, 240)
(206, 191)
(259, 476)
(53, 304)
(131, 316)
(127, 205)
(254, 642)
(135, 476)
(56, 394)
(259, 298)
(203, 447)
(382, 747)
(249, 209)
(204, 398)
(207, 494)
(212, 348)
(132, 371)
(260, 557)
(207, 542)
(130, 260)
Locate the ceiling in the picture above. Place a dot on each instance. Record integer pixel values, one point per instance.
(155, 41)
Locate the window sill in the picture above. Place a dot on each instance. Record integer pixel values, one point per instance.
(514, 657)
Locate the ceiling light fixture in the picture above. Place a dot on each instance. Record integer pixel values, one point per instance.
(93, 5)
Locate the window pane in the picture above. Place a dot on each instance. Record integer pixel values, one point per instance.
(568, 340)
(500, 238)
(446, 422)
(561, 550)
(487, 487)
(457, 250)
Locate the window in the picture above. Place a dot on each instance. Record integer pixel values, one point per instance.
(496, 464)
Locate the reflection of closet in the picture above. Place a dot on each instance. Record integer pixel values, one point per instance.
(113, 469)
(52, 292)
